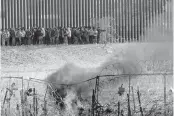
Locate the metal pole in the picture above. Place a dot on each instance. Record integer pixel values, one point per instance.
(53, 13)
(50, 13)
(59, 13)
(65, 13)
(43, 14)
(10, 13)
(72, 13)
(75, 16)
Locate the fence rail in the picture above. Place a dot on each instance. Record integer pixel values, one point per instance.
(127, 18)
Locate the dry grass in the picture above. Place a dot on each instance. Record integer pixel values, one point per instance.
(151, 87)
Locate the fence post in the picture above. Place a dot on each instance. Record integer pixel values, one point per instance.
(141, 110)
(118, 108)
(45, 108)
(97, 88)
(129, 83)
(164, 76)
(133, 98)
(93, 102)
(34, 102)
(22, 97)
(129, 110)
(17, 108)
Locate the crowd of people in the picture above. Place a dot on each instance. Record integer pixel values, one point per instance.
(50, 36)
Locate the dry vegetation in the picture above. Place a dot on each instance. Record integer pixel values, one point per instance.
(151, 87)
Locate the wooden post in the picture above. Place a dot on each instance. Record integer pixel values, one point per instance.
(97, 88)
(129, 110)
(36, 106)
(118, 108)
(133, 98)
(129, 83)
(141, 110)
(164, 95)
(5, 98)
(93, 102)
(22, 97)
(45, 108)
(17, 108)
(34, 101)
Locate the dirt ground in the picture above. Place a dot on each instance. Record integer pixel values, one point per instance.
(40, 61)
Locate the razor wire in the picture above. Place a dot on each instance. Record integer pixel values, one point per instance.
(93, 78)
(117, 75)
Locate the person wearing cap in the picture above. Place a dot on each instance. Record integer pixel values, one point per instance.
(5, 37)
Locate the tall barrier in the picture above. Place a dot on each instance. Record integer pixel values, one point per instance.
(127, 19)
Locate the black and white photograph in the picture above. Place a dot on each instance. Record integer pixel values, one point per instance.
(86, 58)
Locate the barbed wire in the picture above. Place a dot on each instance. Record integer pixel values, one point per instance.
(101, 76)
(136, 66)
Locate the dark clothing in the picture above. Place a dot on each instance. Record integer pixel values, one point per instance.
(12, 34)
(65, 37)
(47, 38)
(28, 38)
(85, 37)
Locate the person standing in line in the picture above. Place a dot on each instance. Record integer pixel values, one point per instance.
(86, 34)
(91, 33)
(65, 41)
(13, 36)
(61, 35)
(28, 37)
(52, 36)
(69, 35)
(23, 35)
(57, 35)
(5, 37)
(99, 34)
(42, 35)
(95, 33)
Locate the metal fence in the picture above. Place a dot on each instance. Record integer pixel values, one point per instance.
(127, 18)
